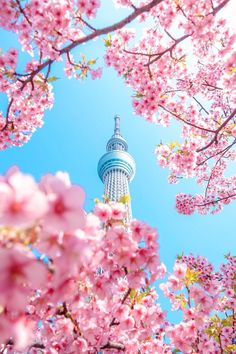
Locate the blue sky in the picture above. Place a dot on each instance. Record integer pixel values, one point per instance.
(74, 137)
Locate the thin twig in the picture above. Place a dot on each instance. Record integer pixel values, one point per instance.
(202, 108)
(86, 23)
(186, 122)
(215, 139)
(113, 345)
(23, 12)
(170, 49)
(219, 152)
(217, 200)
(93, 35)
(7, 115)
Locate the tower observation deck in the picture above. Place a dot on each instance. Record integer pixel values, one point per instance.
(116, 168)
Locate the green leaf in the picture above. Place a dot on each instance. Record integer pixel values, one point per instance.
(105, 199)
(124, 199)
(138, 94)
(231, 348)
(52, 78)
(227, 322)
(9, 74)
(108, 41)
(191, 276)
(92, 61)
(77, 66)
(142, 295)
(132, 294)
(174, 144)
(179, 256)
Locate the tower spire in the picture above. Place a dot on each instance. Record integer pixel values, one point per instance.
(116, 168)
(117, 125)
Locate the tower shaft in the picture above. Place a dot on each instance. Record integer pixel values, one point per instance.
(116, 168)
(116, 186)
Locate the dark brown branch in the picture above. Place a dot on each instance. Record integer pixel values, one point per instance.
(114, 322)
(112, 28)
(169, 35)
(21, 75)
(217, 200)
(22, 11)
(35, 72)
(215, 139)
(112, 345)
(213, 170)
(213, 86)
(186, 122)
(202, 108)
(170, 49)
(212, 5)
(219, 7)
(126, 296)
(70, 61)
(133, 6)
(36, 346)
(140, 53)
(95, 34)
(171, 91)
(86, 23)
(219, 152)
(188, 300)
(63, 311)
(48, 72)
(7, 115)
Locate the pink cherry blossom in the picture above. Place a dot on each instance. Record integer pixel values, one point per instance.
(65, 204)
(18, 269)
(96, 288)
(117, 211)
(22, 203)
(103, 211)
(184, 78)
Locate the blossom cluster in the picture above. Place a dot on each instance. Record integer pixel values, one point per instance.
(207, 301)
(77, 282)
(186, 79)
(43, 29)
(189, 78)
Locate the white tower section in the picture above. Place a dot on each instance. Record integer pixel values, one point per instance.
(116, 168)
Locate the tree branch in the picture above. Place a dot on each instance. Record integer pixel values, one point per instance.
(186, 122)
(112, 345)
(112, 28)
(126, 296)
(215, 139)
(170, 49)
(213, 170)
(7, 115)
(219, 152)
(199, 103)
(95, 34)
(217, 200)
(219, 7)
(86, 23)
(22, 11)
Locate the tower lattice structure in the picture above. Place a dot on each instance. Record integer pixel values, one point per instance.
(116, 168)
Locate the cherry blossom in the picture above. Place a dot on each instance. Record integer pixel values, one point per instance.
(180, 66)
(94, 286)
(21, 200)
(65, 204)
